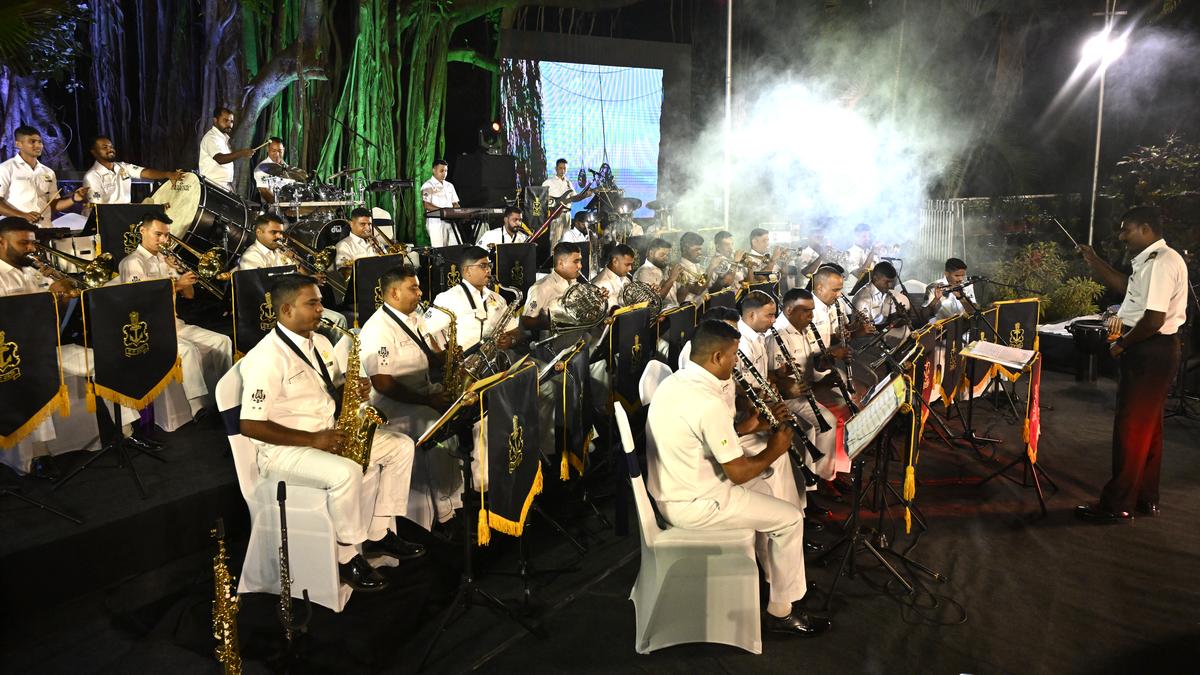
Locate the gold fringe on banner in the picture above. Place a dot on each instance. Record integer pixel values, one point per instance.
(59, 403)
(488, 520)
(1029, 449)
(515, 528)
(914, 439)
(482, 532)
(94, 390)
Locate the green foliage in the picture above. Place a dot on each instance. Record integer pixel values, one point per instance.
(1040, 266)
(37, 37)
(1166, 176)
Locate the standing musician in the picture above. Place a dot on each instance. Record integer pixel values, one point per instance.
(695, 277)
(216, 158)
(398, 350)
(615, 274)
(360, 243)
(204, 354)
(653, 271)
(477, 308)
(881, 302)
(267, 251)
(760, 258)
(511, 230)
(109, 180)
(545, 293)
(560, 190)
(701, 479)
(439, 193)
(265, 182)
(290, 409)
(1155, 306)
(28, 187)
(945, 304)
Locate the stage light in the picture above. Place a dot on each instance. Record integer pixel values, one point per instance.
(1104, 48)
(496, 126)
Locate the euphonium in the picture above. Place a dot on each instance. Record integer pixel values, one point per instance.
(96, 272)
(357, 422)
(453, 378)
(225, 607)
(476, 365)
(637, 291)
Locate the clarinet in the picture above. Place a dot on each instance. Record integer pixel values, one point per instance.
(899, 306)
(769, 397)
(286, 615)
(812, 400)
(844, 332)
(837, 376)
(810, 479)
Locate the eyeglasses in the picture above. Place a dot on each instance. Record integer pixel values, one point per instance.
(482, 265)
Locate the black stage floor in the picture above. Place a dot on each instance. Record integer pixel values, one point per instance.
(130, 590)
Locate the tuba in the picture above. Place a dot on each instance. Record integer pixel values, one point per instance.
(357, 422)
(637, 291)
(583, 306)
(454, 380)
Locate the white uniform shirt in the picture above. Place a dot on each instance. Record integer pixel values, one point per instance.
(20, 280)
(262, 179)
(558, 187)
(758, 263)
(351, 248)
(258, 256)
(950, 304)
(111, 186)
(28, 189)
(649, 273)
(690, 423)
(441, 194)
(825, 320)
(574, 236)
(753, 345)
(694, 271)
(879, 305)
(142, 265)
(545, 294)
(388, 350)
(856, 257)
(1159, 283)
(215, 142)
(278, 386)
(612, 283)
(801, 345)
(476, 313)
(498, 235)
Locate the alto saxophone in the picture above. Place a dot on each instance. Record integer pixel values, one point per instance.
(454, 380)
(475, 365)
(225, 607)
(357, 422)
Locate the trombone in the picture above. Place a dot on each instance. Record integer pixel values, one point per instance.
(319, 261)
(95, 273)
(209, 265)
(388, 246)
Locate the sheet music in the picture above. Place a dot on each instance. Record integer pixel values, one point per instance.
(865, 426)
(1009, 357)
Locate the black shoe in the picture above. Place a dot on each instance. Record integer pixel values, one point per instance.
(143, 445)
(798, 624)
(1098, 514)
(811, 525)
(44, 468)
(392, 545)
(1148, 508)
(359, 575)
(813, 547)
(146, 440)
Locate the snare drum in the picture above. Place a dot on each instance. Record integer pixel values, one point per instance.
(1091, 336)
(202, 214)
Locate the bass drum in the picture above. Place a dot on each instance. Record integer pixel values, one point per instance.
(202, 214)
(319, 234)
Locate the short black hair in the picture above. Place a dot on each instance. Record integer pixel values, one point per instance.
(439, 162)
(360, 212)
(620, 250)
(756, 300)
(285, 288)
(690, 239)
(560, 160)
(97, 139)
(757, 232)
(721, 236)
(795, 295)
(508, 210)
(563, 249)
(154, 216)
(15, 224)
(711, 336)
(721, 313)
(823, 274)
(470, 254)
(266, 218)
(658, 243)
(1144, 215)
(884, 269)
(955, 264)
(396, 275)
(221, 110)
(275, 139)
(25, 130)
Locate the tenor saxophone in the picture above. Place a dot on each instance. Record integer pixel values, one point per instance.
(357, 421)
(454, 379)
(225, 608)
(476, 365)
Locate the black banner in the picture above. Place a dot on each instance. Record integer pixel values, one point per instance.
(513, 463)
(131, 331)
(954, 332)
(535, 206)
(631, 345)
(771, 288)
(253, 316)
(676, 326)
(367, 294)
(440, 269)
(117, 226)
(31, 383)
(1016, 322)
(572, 413)
(515, 265)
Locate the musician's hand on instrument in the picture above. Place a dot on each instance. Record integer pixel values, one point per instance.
(80, 195)
(784, 432)
(938, 293)
(439, 401)
(320, 277)
(64, 287)
(175, 176)
(33, 217)
(327, 440)
(505, 340)
(1114, 325)
(186, 280)
(840, 352)
(364, 387)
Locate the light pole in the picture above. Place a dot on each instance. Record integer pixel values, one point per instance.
(1102, 49)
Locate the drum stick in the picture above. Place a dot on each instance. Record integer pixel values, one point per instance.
(260, 147)
(57, 194)
(1060, 226)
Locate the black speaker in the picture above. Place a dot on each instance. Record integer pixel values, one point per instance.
(484, 180)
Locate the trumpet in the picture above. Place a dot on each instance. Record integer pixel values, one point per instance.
(209, 264)
(96, 272)
(317, 263)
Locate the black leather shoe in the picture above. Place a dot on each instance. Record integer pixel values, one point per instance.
(359, 575)
(44, 468)
(143, 445)
(1148, 508)
(813, 547)
(1094, 513)
(798, 624)
(811, 525)
(146, 440)
(392, 545)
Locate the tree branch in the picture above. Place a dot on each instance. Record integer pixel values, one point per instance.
(474, 58)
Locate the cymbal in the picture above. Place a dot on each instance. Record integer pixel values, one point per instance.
(283, 171)
(346, 172)
(657, 205)
(629, 205)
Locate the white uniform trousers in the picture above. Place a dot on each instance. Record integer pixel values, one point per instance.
(205, 356)
(439, 233)
(437, 488)
(359, 512)
(826, 442)
(778, 481)
(749, 507)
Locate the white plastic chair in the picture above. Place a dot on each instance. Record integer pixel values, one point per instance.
(312, 544)
(915, 287)
(656, 371)
(693, 585)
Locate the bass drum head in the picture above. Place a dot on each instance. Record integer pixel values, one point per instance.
(180, 200)
(319, 234)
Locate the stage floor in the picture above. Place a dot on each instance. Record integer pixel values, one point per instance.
(1040, 596)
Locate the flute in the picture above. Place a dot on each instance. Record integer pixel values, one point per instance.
(769, 397)
(791, 362)
(837, 376)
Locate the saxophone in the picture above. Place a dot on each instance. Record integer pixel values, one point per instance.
(475, 365)
(357, 422)
(454, 380)
(225, 607)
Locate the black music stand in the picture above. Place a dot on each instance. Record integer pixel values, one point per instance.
(116, 443)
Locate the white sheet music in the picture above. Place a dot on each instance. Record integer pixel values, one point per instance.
(865, 426)
(1009, 357)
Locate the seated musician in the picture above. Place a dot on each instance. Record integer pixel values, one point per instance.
(880, 301)
(511, 230)
(360, 243)
(268, 251)
(545, 293)
(760, 258)
(579, 232)
(398, 349)
(615, 274)
(693, 281)
(860, 255)
(109, 180)
(290, 410)
(205, 355)
(28, 188)
(792, 326)
(476, 307)
(654, 271)
(265, 183)
(945, 304)
(701, 479)
(727, 261)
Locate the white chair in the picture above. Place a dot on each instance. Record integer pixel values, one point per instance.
(656, 371)
(915, 287)
(693, 585)
(312, 544)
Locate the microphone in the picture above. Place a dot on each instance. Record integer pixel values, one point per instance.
(884, 257)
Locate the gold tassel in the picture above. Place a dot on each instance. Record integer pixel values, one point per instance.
(910, 483)
(483, 532)
(90, 396)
